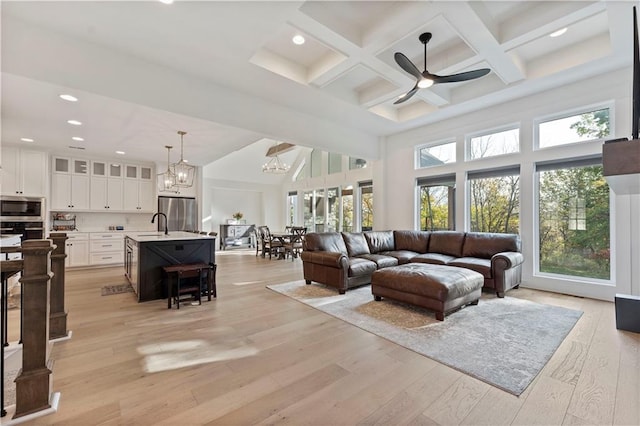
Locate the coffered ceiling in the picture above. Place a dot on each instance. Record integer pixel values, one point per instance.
(229, 74)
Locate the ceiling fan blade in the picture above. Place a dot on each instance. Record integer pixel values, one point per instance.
(407, 95)
(407, 65)
(463, 76)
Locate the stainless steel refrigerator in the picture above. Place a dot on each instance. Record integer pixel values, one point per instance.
(182, 213)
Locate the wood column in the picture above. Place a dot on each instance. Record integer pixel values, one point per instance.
(58, 316)
(32, 383)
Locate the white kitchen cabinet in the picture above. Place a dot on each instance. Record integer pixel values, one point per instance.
(23, 172)
(106, 248)
(106, 194)
(77, 247)
(69, 192)
(139, 193)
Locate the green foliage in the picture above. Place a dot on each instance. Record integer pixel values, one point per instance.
(577, 252)
(593, 124)
(495, 204)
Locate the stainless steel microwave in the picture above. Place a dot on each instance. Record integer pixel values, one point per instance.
(28, 209)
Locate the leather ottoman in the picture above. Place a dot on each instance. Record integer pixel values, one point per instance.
(437, 287)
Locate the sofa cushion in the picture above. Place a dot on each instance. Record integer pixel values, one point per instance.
(475, 264)
(325, 241)
(381, 260)
(446, 242)
(403, 256)
(379, 241)
(356, 243)
(434, 258)
(358, 267)
(415, 241)
(486, 244)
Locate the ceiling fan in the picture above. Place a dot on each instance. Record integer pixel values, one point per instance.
(425, 78)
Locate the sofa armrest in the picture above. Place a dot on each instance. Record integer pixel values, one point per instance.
(326, 258)
(506, 259)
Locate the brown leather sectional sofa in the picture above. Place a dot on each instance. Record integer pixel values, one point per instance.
(346, 260)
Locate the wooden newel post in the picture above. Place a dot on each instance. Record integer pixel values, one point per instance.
(58, 316)
(32, 383)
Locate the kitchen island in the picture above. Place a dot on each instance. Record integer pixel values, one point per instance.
(145, 254)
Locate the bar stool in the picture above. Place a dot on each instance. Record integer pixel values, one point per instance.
(181, 280)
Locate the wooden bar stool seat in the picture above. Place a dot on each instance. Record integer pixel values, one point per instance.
(187, 279)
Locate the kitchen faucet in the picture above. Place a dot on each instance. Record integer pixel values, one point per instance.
(166, 223)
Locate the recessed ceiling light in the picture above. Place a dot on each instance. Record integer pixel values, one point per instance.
(120, 152)
(75, 122)
(166, 1)
(298, 39)
(558, 33)
(69, 98)
(78, 138)
(26, 139)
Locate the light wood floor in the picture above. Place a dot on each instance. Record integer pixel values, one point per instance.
(256, 357)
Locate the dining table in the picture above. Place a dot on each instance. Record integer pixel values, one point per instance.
(283, 237)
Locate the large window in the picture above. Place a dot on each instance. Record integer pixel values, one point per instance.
(292, 207)
(316, 163)
(333, 212)
(437, 197)
(492, 144)
(574, 231)
(320, 208)
(335, 163)
(347, 209)
(574, 128)
(366, 205)
(308, 209)
(436, 154)
(494, 204)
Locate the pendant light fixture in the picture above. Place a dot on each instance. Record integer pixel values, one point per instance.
(167, 180)
(274, 165)
(184, 173)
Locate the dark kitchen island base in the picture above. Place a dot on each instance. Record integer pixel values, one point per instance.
(157, 251)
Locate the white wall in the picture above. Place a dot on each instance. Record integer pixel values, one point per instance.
(400, 173)
(260, 204)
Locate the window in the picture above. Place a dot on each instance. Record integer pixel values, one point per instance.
(366, 205)
(494, 204)
(586, 126)
(308, 209)
(347, 209)
(492, 144)
(316, 163)
(301, 173)
(333, 212)
(436, 155)
(320, 208)
(335, 163)
(292, 207)
(437, 197)
(357, 163)
(574, 223)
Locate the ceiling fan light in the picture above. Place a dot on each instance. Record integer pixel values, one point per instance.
(424, 83)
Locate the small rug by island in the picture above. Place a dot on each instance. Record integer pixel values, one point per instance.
(503, 342)
(108, 290)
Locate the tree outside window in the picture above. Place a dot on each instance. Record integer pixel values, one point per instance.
(495, 203)
(574, 236)
(366, 207)
(436, 207)
(347, 209)
(490, 145)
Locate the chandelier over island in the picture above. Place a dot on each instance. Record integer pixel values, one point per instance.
(184, 172)
(167, 180)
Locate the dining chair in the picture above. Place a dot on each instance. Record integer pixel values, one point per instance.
(293, 246)
(270, 245)
(259, 240)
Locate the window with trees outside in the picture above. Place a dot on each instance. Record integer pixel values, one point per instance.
(366, 205)
(308, 209)
(319, 208)
(574, 231)
(333, 213)
(437, 198)
(436, 154)
(494, 204)
(347, 209)
(292, 207)
(586, 126)
(492, 144)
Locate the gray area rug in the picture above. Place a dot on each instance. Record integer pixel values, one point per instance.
(108, 290)
(503, 342)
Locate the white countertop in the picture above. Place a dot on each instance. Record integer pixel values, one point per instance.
(144, 237)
